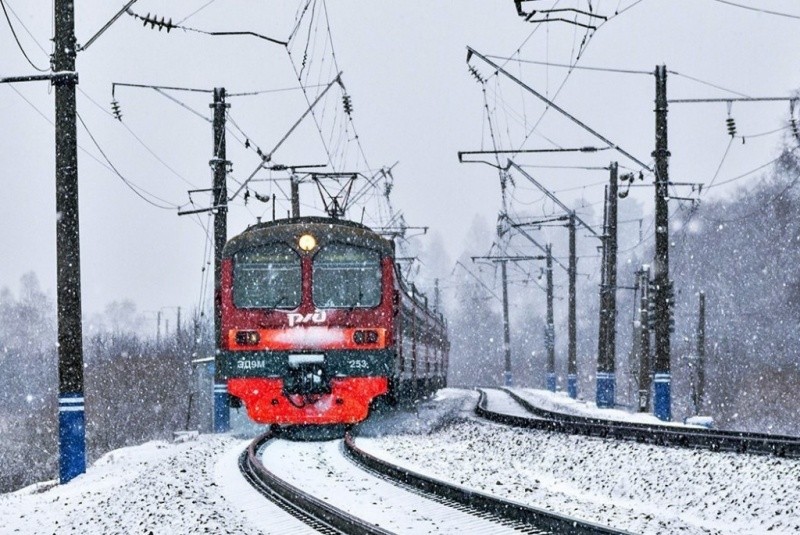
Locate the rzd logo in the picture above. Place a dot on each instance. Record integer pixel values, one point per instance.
(317, 317)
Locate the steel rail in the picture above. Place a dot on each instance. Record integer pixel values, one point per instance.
(512, 514)
(313, 511)
(663, 435)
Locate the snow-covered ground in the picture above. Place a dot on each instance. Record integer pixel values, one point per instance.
(561, 402)
(638, 487)
(158, 488)
(195, 487)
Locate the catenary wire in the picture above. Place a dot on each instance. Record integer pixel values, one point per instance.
(19, 45)
(759, 10)
(133, 187)
(195, 12)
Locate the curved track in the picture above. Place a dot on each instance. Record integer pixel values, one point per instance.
(416, 502)
(313, 511)
(514, 515)
(685, 437)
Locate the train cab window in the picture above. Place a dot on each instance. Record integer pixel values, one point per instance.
(347, 276)
(267, 277)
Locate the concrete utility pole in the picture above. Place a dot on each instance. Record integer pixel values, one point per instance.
(507, 378)
(295, 193)
(572, 359)
(550, 329)
(71, 417)
(220, 194)
(644, 340)
(606, 361)
(701, 355)
(663, 294)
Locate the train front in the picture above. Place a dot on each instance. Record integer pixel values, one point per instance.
(307, 312)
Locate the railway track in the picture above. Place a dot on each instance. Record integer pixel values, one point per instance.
(315, 512)
(684, 437)
(522, 518)
(414, 502)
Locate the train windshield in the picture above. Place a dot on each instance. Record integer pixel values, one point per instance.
(267, 277)
(346, 276)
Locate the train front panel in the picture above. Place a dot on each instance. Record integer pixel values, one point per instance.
(307, 332)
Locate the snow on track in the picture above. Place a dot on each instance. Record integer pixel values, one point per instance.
(562, 403)
(322, 469)
(637, 487)
(500, 402)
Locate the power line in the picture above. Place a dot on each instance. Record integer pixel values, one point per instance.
(133, 187)
(138, 139)
(571, 66)
(265, 91)
(30, 34)
(703, 82)
(195, 12)
(748, 173)
(168, 25)
(759, 10)
(14, 33)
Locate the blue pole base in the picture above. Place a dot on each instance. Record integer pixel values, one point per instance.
(507, 379)
(572, 386)
(551, 382)
(222, 413)
(606, 388)
(71, 436)
(662, 402)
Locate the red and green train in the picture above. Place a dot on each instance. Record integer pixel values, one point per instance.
(317, 323)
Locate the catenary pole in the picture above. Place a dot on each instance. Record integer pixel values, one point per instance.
(606, 365)
(71, 414)
(572, 359)
(662, 371)
(220, 193)
(550, 330)
(701, 354)
(644, 340)
(507, 377)
(601, 324)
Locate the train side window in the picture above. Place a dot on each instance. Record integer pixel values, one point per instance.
(346, 276)
(267, 277)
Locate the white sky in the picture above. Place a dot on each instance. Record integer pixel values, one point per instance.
(414, 102)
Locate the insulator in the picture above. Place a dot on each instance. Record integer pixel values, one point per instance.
(347, 102)
(154, 21)
(731, 124)
(794, 128)
(475, 74)
(115, 109)
(247, 143)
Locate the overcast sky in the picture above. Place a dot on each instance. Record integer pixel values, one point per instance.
(414, 103)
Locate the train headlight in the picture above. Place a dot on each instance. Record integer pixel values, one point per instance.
(307, 242)
(365, 337)
(248, 338)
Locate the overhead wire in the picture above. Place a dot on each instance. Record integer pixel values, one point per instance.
(137, 138)
(107, 164)
(30, 34)
(19, 44)
(759, 10)
(195, 12)
(138, 190)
